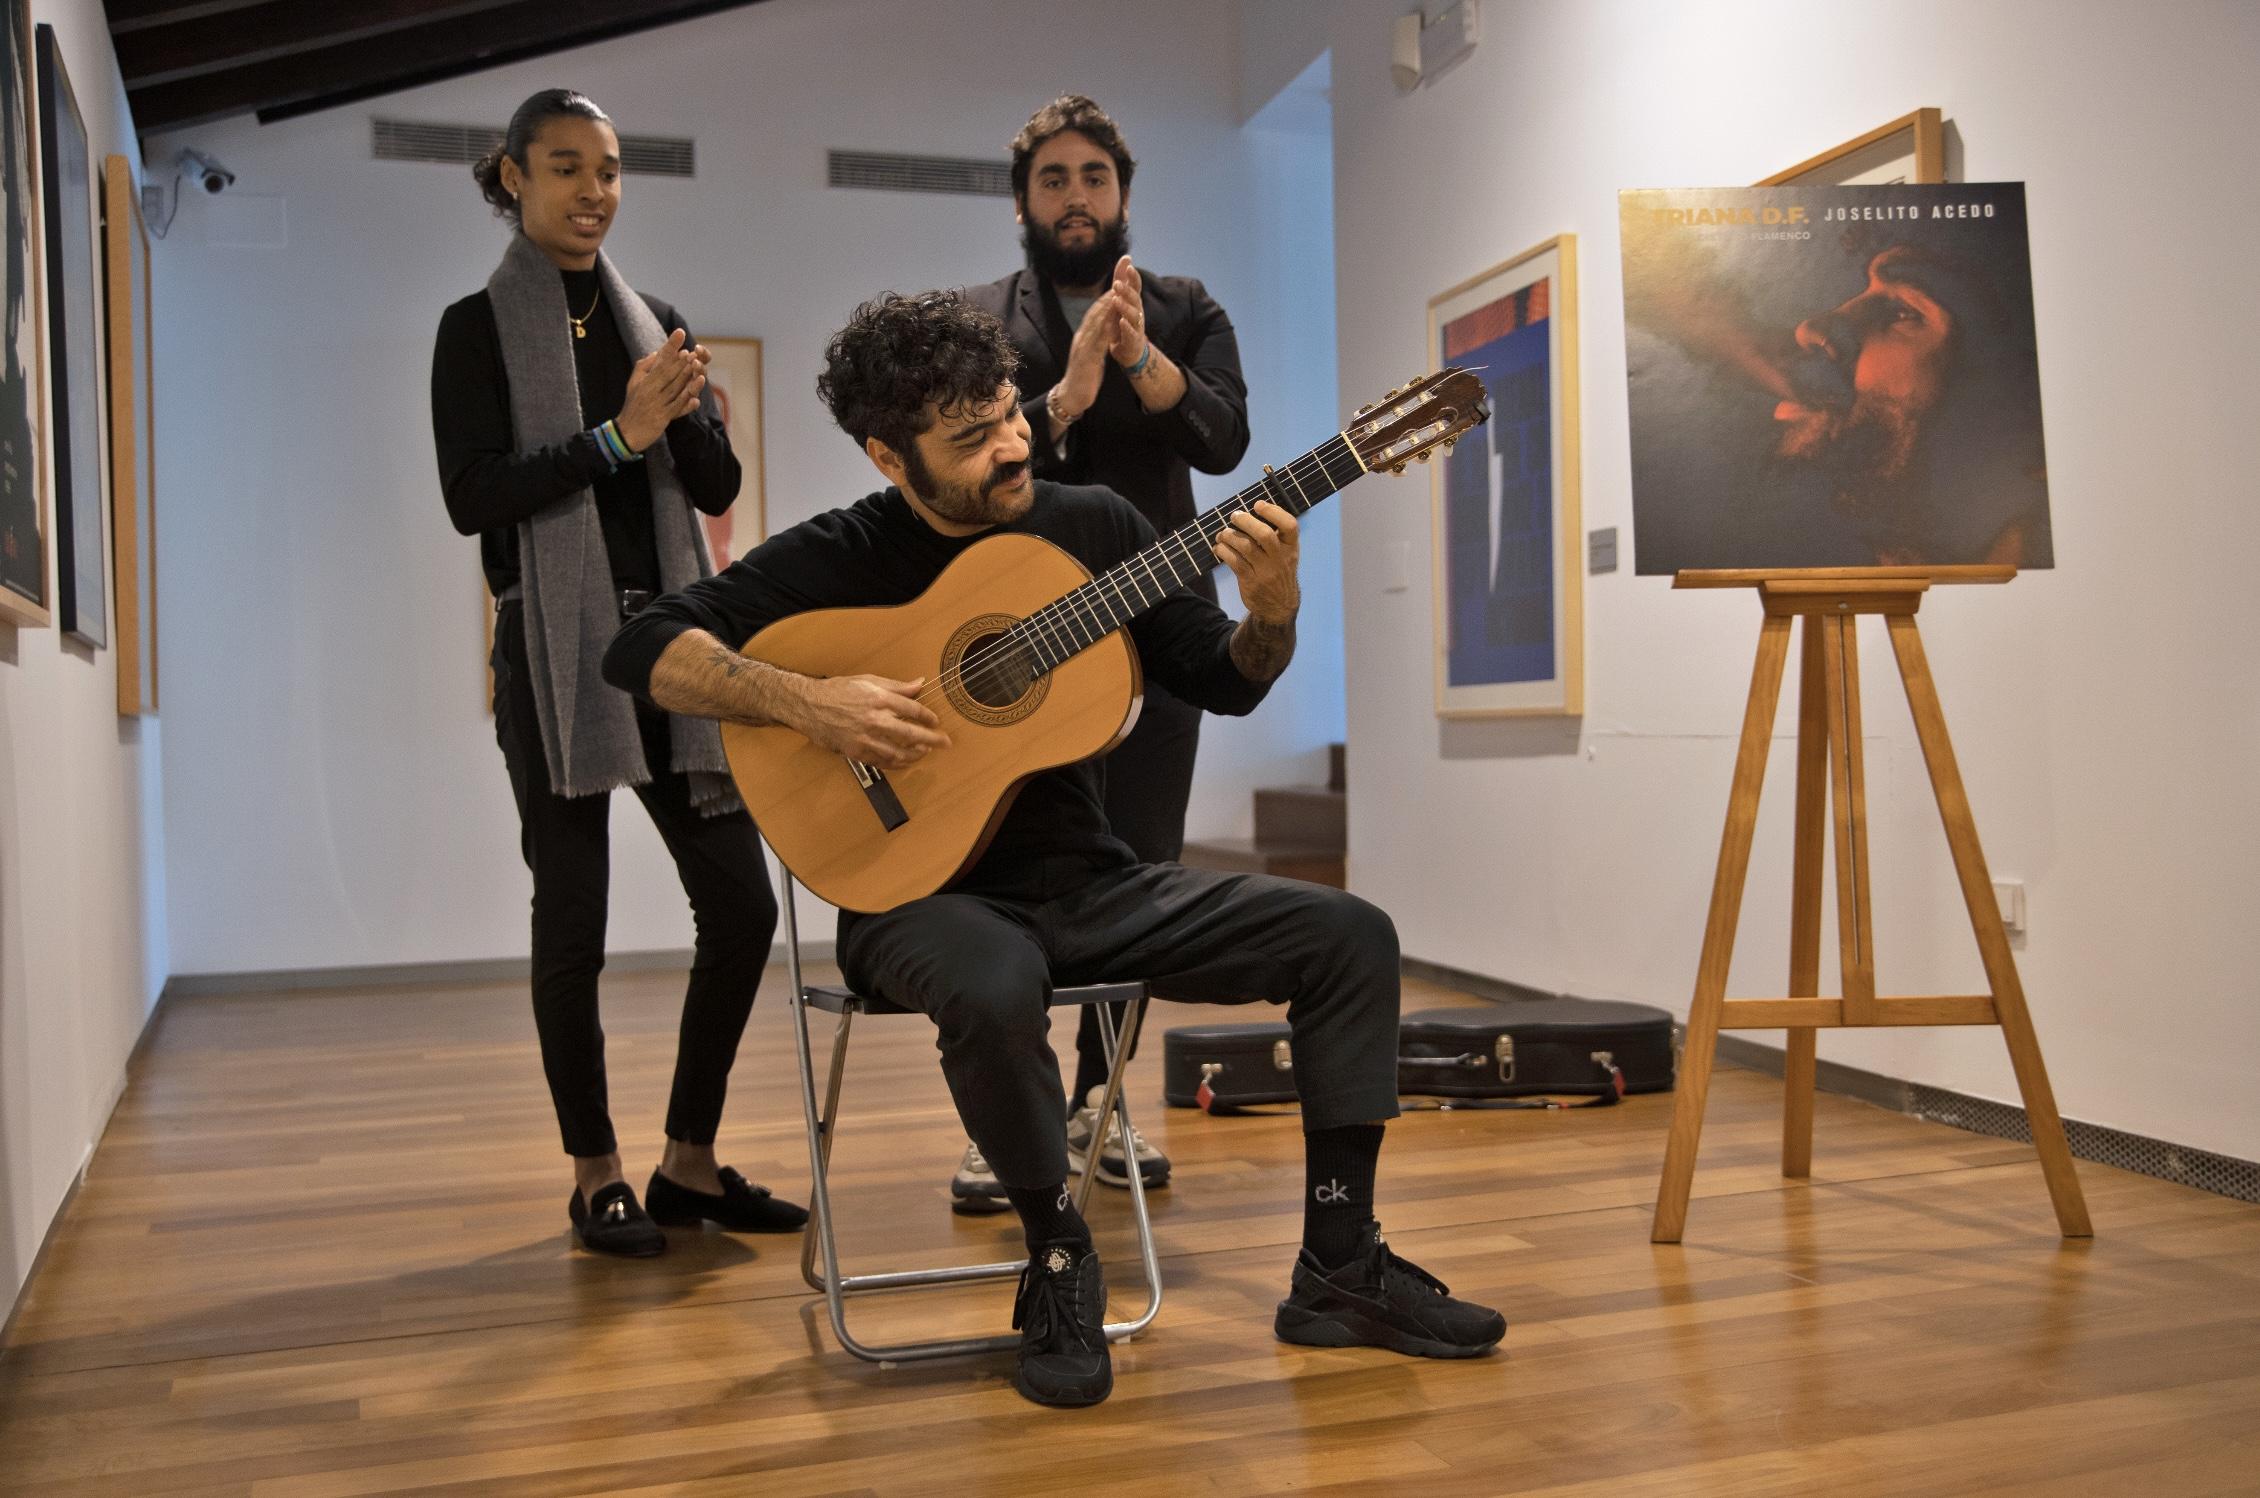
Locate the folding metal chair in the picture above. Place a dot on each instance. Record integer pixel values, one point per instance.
(820, 1254)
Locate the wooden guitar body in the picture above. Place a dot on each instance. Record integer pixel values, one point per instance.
(811, 803)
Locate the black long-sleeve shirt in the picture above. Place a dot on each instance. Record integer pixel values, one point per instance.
(491, 487)
(1147, 457)
(879, 552)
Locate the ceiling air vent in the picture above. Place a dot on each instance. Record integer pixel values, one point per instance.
(894, 171)
(460, 145)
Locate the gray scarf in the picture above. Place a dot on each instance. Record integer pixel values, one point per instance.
(588, 728)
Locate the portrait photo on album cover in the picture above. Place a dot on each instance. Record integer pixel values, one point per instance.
(1833, 377)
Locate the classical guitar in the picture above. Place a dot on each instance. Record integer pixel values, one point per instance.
(1026, 666)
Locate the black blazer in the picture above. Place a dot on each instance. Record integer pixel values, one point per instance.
(1145, 457)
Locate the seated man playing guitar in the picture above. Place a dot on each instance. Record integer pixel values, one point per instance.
(924, 385)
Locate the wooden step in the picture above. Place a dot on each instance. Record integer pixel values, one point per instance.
(1240, 855)
(1310, 816)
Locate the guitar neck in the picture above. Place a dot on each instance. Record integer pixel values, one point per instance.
(1063, 629)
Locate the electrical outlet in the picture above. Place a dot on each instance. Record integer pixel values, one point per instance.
(2009, 894)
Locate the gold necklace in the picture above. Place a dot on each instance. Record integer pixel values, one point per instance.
(580, 324)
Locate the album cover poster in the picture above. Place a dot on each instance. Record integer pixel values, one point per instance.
(1833, 377)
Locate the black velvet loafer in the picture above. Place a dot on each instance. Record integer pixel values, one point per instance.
(741, 1207)
(612, 1223)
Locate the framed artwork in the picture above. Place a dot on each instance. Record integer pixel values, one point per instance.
(1509, 599)
(1911, 148)
(1833, 377)
(23, 495)
(81, 609)
(734, 378)
(133, 426)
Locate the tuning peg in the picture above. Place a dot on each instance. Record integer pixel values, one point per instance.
(1449, 446)
(1423, 457)
(1398, 471)
(1392, 395)
(1267, 470)
(1362, 410)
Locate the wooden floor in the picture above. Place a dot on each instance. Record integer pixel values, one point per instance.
(322, 1250)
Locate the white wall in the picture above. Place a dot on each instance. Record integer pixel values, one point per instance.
(334, 794)
(82, 940)
(2106, 713)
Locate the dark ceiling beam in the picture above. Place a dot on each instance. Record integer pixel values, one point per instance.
(331, 76)
(264, 32)
(134, 15)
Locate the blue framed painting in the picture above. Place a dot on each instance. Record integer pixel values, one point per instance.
(1508, 589)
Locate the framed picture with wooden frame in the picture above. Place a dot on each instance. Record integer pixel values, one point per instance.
(24, 597)
(1911, 148)
(1505, 523)
(733, 378)
(133, 427)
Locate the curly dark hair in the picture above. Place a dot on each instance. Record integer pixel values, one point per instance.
(1068, 112)
(898, 353)
(525, 125)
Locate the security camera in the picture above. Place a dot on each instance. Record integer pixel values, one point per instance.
(209, 174)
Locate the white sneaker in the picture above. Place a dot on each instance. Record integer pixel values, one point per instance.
(975, 1190)
(1114, 1167)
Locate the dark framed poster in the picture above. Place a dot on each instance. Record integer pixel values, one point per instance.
(23, 495)
(1509, 611)
(1833, 377)
(133, 428)
(81, 607)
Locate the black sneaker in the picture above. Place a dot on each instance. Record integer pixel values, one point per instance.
(612, 1222)
(1380, 1300)
(1060, 1313)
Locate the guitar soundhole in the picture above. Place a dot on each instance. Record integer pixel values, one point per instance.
(989, 677)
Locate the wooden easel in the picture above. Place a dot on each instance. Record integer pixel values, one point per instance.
(1828, 745)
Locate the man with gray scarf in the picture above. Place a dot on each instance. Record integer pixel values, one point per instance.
(575, 439)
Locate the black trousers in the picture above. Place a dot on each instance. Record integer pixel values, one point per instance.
(1149, 778)
(982, 965)
(567, 844)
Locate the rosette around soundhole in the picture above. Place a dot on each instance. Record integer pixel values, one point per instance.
(990, 674)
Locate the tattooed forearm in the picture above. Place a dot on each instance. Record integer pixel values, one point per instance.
(1262, 649)
(699, 675)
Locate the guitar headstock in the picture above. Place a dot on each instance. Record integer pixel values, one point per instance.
(1406, 425)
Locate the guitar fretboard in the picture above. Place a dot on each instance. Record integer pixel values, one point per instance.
(1080, 620)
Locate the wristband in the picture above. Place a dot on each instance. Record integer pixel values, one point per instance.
(616, 449)
(1061, 421)
(1144, 359)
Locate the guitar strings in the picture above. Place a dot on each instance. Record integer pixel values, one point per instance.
(1056, 617)
(1097, 588)
(1007, 643)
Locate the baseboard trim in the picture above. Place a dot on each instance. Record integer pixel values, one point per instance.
(474, 970)
(2221, 1175)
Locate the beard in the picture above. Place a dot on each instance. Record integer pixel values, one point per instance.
(1869, 450)
(971, 504)
(1089, 266)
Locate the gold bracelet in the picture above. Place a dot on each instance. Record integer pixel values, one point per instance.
(1060, 421)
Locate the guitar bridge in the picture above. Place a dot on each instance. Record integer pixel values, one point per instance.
(881, 795)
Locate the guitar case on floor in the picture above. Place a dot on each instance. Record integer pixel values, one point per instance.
(1531, 1052)
(1525, 1053)
(1225, 1068)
